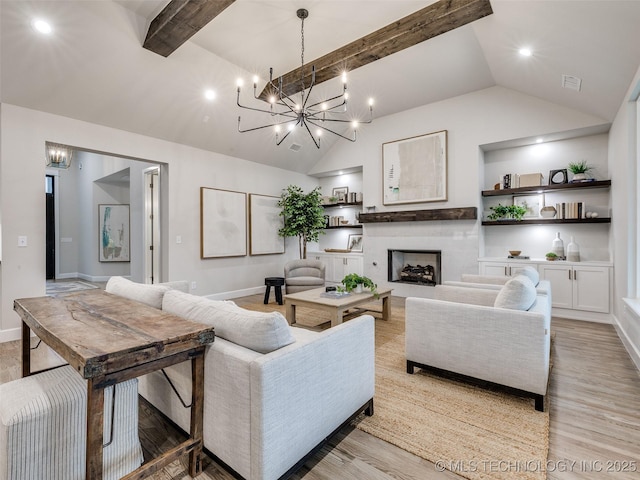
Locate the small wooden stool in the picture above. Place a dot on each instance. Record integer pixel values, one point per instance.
(276, 282)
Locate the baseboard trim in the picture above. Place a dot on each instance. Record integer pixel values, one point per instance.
(236, 293)
(10, 334)
(581, 315)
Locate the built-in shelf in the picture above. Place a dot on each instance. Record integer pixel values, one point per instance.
(349, 204)
(464, 213)
(551, 221)
(343, 226)
(547, 188)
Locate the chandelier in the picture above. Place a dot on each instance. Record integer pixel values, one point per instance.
(286, 112)
(57, 156)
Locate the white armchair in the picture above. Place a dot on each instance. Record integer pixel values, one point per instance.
(300, 275)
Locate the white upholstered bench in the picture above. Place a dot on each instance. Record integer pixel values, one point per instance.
(43, 427)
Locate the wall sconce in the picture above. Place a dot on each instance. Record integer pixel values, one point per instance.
(58, 156)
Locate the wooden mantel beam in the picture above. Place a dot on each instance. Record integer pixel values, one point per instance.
(438, 18)
(179, 21)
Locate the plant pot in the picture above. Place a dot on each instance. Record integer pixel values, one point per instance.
(358, 288)
(578, 177)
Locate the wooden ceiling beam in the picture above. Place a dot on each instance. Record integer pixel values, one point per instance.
(436, 19)
(179, 21)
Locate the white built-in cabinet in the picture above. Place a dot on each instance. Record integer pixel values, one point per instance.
(509, 269)
(337, 265)
(575, 286)
(578, 287)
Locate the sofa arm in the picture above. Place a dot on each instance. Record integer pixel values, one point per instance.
(303, 392)
(508, 347)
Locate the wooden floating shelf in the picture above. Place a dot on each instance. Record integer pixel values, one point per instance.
(547, 188)
(343, 204)
(551, 221)
(465, 213)
(343, 226)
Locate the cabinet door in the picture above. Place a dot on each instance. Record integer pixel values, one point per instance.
(328, 266)
(354, 265)
(560, 277)
(503, 268)
(591, 289)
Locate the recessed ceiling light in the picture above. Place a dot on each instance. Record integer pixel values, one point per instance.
(525, 52)
(41, 26)
(209, 94)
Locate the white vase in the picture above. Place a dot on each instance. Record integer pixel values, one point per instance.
(557, 246)
(358, 288)
(573, 251)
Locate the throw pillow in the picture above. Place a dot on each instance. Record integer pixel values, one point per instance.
(519, 293)
(258, 331)
(530, 273)
(141, 292)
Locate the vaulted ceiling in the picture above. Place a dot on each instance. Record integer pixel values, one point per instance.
(94, 67)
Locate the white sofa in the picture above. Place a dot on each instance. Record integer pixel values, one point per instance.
(273, 392)
(490, 335)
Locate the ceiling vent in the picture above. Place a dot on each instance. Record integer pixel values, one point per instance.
(295, 147)
(571, 82)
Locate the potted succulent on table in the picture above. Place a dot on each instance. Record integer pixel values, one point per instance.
(579, 170)
(507, 212)
(551, 256)
(355, 283)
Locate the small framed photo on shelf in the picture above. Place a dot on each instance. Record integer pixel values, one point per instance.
(533, 204)
(355, 242)
(341, 193)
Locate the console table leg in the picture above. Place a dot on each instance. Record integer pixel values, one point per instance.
(197, 411)
(95, 419)
(26, 350)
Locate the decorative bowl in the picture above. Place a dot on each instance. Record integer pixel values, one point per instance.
(515, 253)
(344, 222)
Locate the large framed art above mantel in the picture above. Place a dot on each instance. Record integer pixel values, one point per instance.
(414, 170)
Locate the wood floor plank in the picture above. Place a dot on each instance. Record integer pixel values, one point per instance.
(594, 406)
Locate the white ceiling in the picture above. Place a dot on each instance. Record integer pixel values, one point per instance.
(94, 68)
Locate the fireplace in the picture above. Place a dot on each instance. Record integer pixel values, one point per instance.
(417, 267)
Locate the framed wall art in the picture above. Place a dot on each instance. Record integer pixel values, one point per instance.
(264, 223)
(533, 204)
(223, 223)
(113, 233)
(414, 170)
(355, 242)
(341, 193)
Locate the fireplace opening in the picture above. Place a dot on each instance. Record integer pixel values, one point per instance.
(418, 267)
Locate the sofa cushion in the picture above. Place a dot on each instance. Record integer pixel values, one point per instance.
(519, 293)
(531, 273)
(305, 281)
(141, 292)
(259, 331)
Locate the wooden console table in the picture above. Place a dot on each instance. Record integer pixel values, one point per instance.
(109, 339)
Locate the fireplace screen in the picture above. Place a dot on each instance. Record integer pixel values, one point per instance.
(419, 267)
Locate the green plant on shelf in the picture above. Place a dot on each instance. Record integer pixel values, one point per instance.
(579, 167)
(507, 212)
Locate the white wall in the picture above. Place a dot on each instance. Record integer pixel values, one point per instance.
(22, 170)
(484, 117)
(623, 164)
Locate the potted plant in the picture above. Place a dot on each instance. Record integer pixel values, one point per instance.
(579, 170)
(507, 212)
(551, 256)
(303, 216)
(355, 283)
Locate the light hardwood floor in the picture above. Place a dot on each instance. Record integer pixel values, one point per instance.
(594, 410)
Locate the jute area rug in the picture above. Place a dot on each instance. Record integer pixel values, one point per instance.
(473, 431)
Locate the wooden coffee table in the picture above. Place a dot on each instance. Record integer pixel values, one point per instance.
(335, 306)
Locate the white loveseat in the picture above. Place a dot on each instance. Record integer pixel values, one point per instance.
(273, 392)
(491, 335)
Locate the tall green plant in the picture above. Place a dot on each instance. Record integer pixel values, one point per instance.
(303, 216)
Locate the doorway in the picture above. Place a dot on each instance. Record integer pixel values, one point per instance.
(50, 227)
(152, 217)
